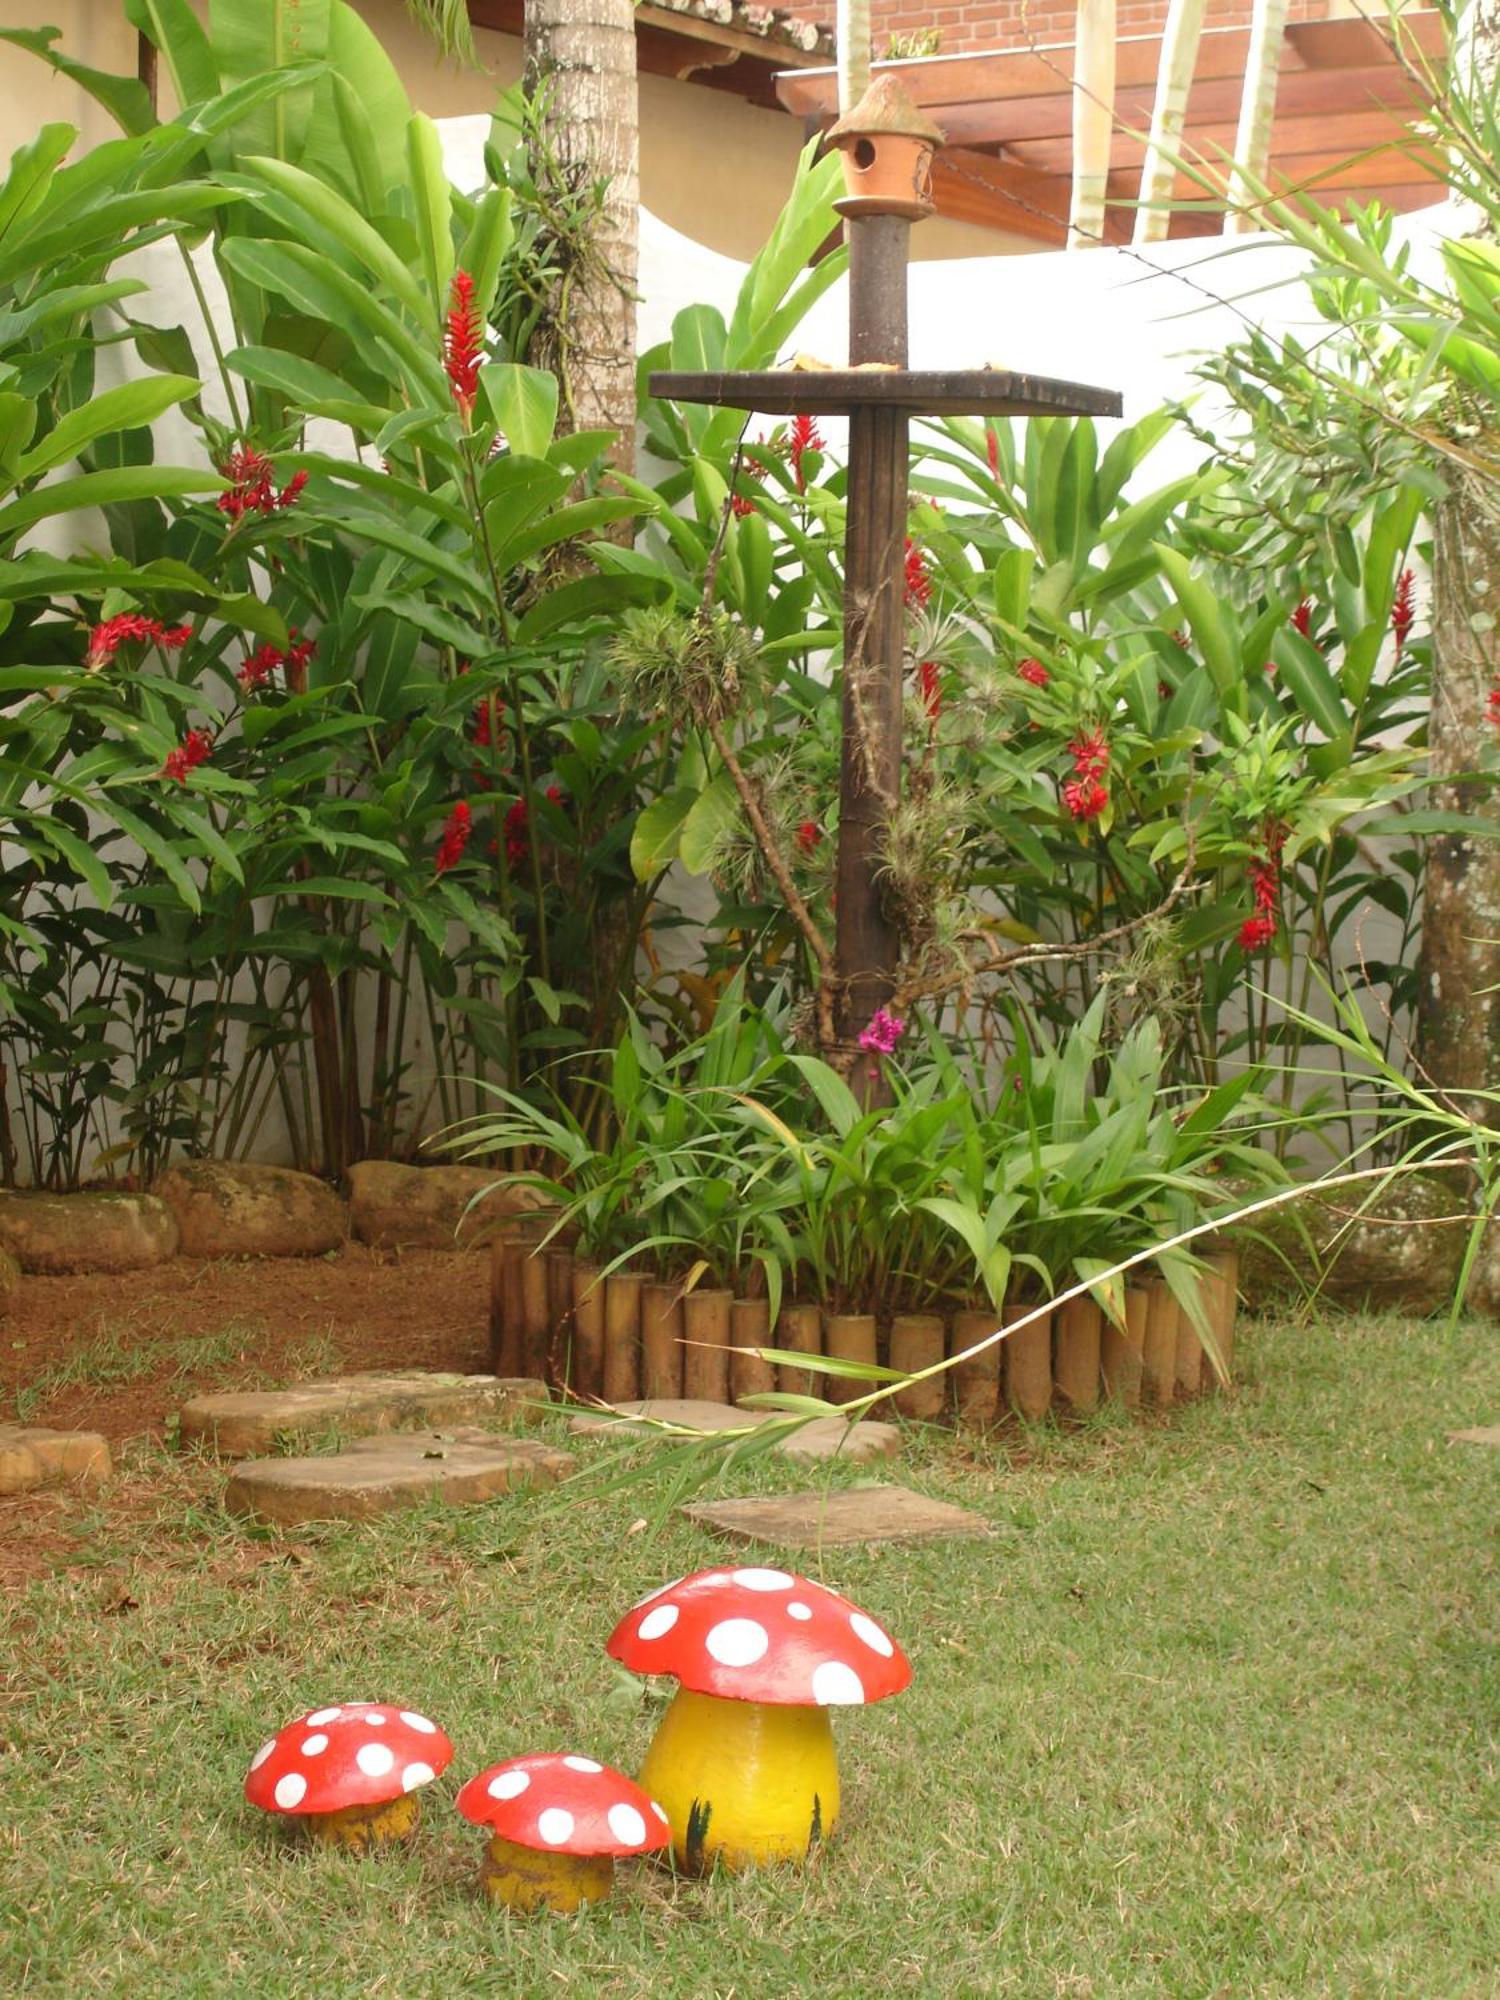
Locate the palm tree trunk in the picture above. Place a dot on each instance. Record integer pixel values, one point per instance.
(1174, 80)
(852, 40)
(1093, 121)
(1252, 141)
(580, 65)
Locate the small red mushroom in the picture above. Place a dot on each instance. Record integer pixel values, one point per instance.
(744, 1759)
(350, 1772)
(556, 1825)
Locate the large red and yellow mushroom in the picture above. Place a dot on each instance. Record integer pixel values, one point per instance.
(744, 1760)
(557, 1826)
(350, 1773)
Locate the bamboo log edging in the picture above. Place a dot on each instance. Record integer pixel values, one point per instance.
(632, 1336)
(976, 1382)
(917, 1342)
(705, 1354)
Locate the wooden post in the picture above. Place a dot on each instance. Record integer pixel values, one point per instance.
(536, 1309)
(1159, 1354)
(750, 1326)
(1189, 1359)
(848, 1337)
(1028, 1365)
(1225, 1266)
(559, 1318)
(866, 946)
(622, 1336)
(1078, 1344)
(705, 1355)
(800, 1330)
(1121, 1349)
(661, 1341)
(505, 1305)
(588, 1330)
(976, 1383)
(917, 1342)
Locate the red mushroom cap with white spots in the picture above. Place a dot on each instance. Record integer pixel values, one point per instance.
(761, 1635)
(356, 1753)
(565, 1805)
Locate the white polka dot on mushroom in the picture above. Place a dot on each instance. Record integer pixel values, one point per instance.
(799, 1611)
(416, 1774)
(626, 1824)
(323, 1715)
(290, 1791)
(262, 1754)
(661, 1813)
(418, 1722)
(375, 1759)
(836, 1686)
(656, 1624)
(870, 1632)
(376, 1721)
(762, 1579)
(509, 1784)
(737, 1642)
(555, 1826)
(582, 1764)
(315, 1745)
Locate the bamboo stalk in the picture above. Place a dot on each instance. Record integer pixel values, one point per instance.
(1079, 1339)
(1252, 139)
(505, 1306)
(799, 1328)
(536, 1311)
(1093, 121)
(1120, 1351)
(622, 1336)
(848, 1337)
(976, 1382)
(1224, 1267)
(705, 1354)
(917, 1342)
(1028, 1364)
(1159, 1348)
(750, 1326)
(1188, 1368)
(661, 1341)
(588, 1329)
(1174, 80)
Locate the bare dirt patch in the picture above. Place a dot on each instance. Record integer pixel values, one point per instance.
(121, 1353)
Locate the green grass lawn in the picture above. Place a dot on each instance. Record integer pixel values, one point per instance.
(1214, 1712)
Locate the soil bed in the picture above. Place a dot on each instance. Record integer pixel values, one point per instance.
(120, 1353)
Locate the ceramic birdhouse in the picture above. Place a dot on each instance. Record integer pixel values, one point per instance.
(887, 146)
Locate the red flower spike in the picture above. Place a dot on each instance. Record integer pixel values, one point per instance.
(253, 485)
(195, 749)
(1033, 672)
(992, 450)
(463, 343)
(1090, 755)
(802, 437)
(740, 506)
(456, 830)
(292, 491)
(809, 838)
(930, 686)
(106, 640)
(1257, 931)
(1403, 608)
(1302, 618)
(918, 577)
(516, 820)
(1085, 797)
(1492, 707)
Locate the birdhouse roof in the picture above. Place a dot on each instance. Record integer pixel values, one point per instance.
(886, 108)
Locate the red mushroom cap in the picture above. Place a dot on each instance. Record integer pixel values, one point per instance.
(568, 1805)
(761, 1635)
(357, 1753)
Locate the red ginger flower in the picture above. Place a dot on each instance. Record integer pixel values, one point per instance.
(106, 640)
(489, 730)
(930, 686)
(1090, 755)
(1085, 797)
(802, 437)
(992, 450)
(1257, 931)
(1302, 618)
(1033, 672)
(918, 579)
(1492, 707)
(463, 343)
(738, 504)
(809, 837)
(456, 830)
(253, 485)
(195, 748)
(259, 666)
(1403, 608)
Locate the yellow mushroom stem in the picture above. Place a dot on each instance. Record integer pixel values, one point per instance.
(359, 1828)
(743, 1783)
(534, 1878)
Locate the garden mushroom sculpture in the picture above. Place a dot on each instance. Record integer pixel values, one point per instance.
(744, 1760)
(349, 1773)
(557, 1825)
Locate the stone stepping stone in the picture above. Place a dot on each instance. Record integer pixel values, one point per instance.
(244, 1423)
(1483, 1434)
(858, 1514)
(31, 1457)
(378, 1475)
(823, 1438)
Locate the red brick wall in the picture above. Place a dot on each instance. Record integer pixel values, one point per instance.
(1005, 24)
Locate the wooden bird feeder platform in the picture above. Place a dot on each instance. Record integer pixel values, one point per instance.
(924, 392)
